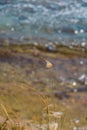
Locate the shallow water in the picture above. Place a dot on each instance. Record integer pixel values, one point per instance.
(28, 86)
(31, 20)
(68, 68)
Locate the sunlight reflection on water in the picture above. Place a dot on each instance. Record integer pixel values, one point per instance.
(53, 20)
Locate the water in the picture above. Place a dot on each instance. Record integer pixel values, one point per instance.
(62, 21)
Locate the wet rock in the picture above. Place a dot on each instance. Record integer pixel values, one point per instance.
(82, 89)
(51, 48)
(61, 95)
(48, 64)
(79, 89)
(83, 79)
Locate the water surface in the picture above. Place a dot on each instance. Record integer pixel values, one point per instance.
(62, 21)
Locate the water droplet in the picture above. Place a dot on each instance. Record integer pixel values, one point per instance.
(76, 32)
(83, 44)
(81, 31)
(74, 83)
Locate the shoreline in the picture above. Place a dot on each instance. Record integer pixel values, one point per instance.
(44, 49)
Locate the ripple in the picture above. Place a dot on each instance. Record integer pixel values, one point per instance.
(54, 20)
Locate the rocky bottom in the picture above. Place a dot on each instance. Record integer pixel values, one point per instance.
(39, 88)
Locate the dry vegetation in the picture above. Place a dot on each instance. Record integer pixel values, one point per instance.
(28, 102)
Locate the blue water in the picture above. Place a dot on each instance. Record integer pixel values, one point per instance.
(52, 20)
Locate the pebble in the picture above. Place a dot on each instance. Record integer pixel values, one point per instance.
(51, 48)
(48, 64)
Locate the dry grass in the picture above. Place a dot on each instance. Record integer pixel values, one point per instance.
(23, 103)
